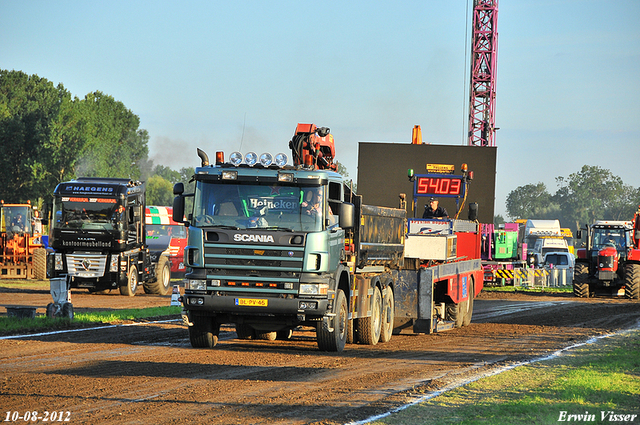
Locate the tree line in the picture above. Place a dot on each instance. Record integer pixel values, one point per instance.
(49, 136)
(591, 194)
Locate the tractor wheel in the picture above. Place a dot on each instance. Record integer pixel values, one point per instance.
(581, 281)
(632, 281)
(334, 339)
(204, 332)
(369, 328)
(132, 283)
(40, 263)
(388, 315)
(162, 282)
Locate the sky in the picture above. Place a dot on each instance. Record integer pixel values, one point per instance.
(240, 75)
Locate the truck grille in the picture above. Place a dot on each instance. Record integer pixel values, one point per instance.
(255, 263)
(86, 265)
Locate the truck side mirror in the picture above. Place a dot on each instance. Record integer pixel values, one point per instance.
(347, 215)
(178, 208)
(178, 188)
(579, 234)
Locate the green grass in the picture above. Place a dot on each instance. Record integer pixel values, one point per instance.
(11, 325)
(568, 289)
(600, 377)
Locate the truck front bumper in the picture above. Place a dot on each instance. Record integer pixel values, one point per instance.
(250, 305)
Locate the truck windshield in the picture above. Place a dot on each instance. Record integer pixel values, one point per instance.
(88, 213)
(246, 206)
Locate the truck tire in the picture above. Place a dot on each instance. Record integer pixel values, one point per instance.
(244, 331)
(40, 263)
(632, 281)
(204, 332)
(335, 339)
(284, 334)
(466, 321)
(132, 283)
(456, 312)
(388, 315)
(266, 336)
(162, 283)
(581, 281)
(369, 328)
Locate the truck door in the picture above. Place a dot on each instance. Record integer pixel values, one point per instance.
(336, 234)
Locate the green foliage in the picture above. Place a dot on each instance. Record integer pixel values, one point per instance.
(36, 140)
(591, 194)
(159, 191)
(48, 137)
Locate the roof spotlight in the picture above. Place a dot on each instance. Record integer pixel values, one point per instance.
(235, 158)
(266, 159)
(250, 159)
(281, 159)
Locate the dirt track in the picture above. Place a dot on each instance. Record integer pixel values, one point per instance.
(148, 373)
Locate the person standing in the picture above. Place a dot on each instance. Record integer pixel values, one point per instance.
(433, 210)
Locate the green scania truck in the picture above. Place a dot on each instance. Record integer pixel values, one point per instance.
(274, 246)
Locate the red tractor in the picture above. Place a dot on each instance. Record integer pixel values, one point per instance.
(610, 260)
(22, 254)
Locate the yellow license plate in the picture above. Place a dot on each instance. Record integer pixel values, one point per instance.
(252, 302)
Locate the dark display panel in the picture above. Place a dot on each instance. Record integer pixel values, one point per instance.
(382, 175)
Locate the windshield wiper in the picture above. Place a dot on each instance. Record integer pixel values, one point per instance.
(282, 229)
(224, 226)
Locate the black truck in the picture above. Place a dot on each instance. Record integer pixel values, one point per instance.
(98, 240)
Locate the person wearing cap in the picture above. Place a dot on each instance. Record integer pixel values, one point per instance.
(432, 210)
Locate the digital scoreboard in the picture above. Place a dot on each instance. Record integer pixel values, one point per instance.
(438, 185)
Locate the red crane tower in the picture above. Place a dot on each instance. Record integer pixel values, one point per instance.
(484, 51)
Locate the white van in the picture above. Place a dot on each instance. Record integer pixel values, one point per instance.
(563, 261)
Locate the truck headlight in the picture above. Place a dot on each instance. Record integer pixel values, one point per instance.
(196, 284)
(58, 261)
(113, 264)
(313, 288)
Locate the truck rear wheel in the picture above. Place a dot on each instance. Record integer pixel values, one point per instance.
(204, 332)
(388, 315)
(132, 283)
(162, 283)
(334, 339)
(632, 281)
(456, 312)
(369, 328)
(581, 281)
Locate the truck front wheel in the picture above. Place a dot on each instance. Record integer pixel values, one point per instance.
(162, 283)
(132, 283)
(204, 332)
(632, 281)
(581, 281)
(334, 336)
